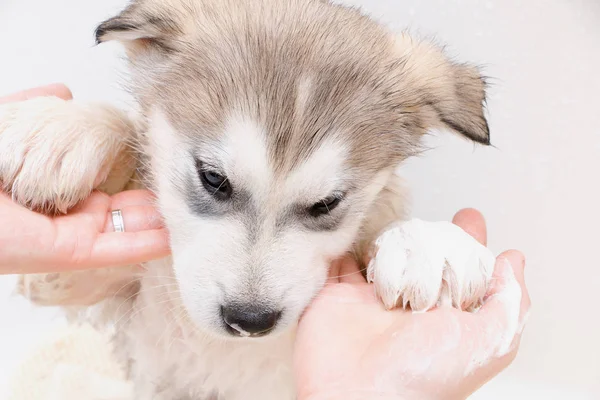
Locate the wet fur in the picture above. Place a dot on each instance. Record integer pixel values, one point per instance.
(310, 76)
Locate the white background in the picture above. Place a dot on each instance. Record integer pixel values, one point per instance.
(538, 187)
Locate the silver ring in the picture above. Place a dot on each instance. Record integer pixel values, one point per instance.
(117, 219)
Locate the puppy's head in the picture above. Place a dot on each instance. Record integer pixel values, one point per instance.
(272, 127)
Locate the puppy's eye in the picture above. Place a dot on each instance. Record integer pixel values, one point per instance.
(216, 184)
(325, 206)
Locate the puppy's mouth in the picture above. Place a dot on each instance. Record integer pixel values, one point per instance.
(236, 330)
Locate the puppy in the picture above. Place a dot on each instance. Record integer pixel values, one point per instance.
(270, 131)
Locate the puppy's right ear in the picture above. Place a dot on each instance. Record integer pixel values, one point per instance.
(140, 25)
(449, 95)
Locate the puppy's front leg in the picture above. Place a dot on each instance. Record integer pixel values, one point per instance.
(79, 288)
(53, 153)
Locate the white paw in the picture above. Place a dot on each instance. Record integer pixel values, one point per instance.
(53, 152)
(424, 264)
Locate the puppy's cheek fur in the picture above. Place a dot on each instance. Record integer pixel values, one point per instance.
(208, 258)
(213, 267)
(297, 267)
(307, 258)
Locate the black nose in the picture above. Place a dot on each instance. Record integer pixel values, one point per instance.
(249, 320)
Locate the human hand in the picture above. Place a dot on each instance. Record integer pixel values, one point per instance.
(349, 347)
(85, 237)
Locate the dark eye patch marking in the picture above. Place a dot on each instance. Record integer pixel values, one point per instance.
(325, 206)
(214, 182)
(300, 215)
(203, 198)
(209, 199)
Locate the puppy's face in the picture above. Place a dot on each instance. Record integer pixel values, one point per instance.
(272, 127)
(252, 238)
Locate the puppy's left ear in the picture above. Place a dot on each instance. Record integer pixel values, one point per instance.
(447, 94)
(143, 25)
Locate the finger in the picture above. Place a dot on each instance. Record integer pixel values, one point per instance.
(517, 261)
(472, 222)
(55, 89)
(135, 205)
(133, 198)
(96, 205)
(350, 271)
(80, 242)
(137, 209)
(97, 201)
(333, 275)
(345, 270)
(135, 219)
(126, 248)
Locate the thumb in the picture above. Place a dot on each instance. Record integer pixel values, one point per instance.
(507, 302)
(509, 273)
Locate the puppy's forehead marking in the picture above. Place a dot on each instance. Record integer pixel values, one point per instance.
(245, 147)
(319, 174)
(160, 129)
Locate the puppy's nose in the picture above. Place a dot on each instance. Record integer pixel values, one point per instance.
(249, 320)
